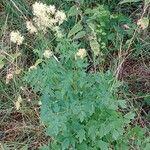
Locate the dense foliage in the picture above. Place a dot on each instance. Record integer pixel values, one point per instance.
(76, 53)
(79, 109)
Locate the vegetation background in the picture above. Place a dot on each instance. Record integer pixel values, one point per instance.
(116, 37)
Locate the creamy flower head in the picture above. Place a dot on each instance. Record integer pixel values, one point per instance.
(32, 67)
(81, 53)
(47, 53)
(51, 9)
(30, 27)
(46, 16)
(16, 37)
(39, 9)
(58, 31)
(60, 16)
(143, 23)
(41, 18)
(9, 77)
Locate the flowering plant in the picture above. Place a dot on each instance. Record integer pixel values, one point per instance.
(79, 106)
(45, 16)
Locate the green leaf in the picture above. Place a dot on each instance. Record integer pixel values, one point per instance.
(82, 116)
(73, 11)
(115, 134)
(82, 146)
(81, 135)
(92, 132)
(24, 147)
(129, 1)
(79, 35)
(122, 103)
(130, 115)
(65, 144)
(102, 145)
(147, 147)
(44, 147)
(78, 27)
(94, 46)
(147, 100)
(88, 11)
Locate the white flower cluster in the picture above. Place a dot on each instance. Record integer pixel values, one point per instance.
(45, 16)
(31, 28)
(16, 37)
(143, 23)
(81, 53)
(47, 53)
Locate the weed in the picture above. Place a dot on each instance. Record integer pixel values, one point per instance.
(59, 75)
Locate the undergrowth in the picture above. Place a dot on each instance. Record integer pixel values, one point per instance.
(74, 75)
